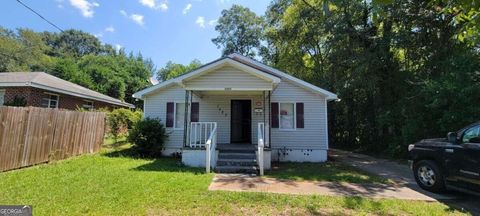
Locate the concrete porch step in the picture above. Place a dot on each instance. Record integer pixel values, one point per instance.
(236, 155)
(237, 169)
(236, 162)
(251, 151)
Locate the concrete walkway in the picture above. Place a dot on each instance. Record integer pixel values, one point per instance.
(404, 186)
(403, 176)
(249, 183)
(400, 174)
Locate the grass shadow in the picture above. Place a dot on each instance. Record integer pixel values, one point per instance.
(158, 164)
(168, 165)
(129, 152)
(327, 171)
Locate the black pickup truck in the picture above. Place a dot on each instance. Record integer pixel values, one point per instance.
(448, 163)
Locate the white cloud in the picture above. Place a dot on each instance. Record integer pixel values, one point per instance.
(85, 7)
(187, 8)
(212, 22)
(110, 29)
(153, 4)
(118, 47)
(148, 3)
(138, 18)
(164, 6)
(200, 21)
(98, 35)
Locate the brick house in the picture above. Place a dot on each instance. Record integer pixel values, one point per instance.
(44, 90)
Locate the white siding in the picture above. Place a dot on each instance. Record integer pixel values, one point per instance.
(312, 137)
(314, 134)
(155, 106)
(228, 77)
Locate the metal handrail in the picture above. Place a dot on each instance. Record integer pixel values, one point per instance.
(261, 145)
(210, 148)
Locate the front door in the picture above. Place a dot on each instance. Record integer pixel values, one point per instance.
(241, 121)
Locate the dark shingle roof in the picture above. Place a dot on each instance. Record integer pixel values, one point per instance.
(48, 82)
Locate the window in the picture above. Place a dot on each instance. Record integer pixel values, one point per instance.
(179, 115)
(50, 101)
(88, 105)
(471, 133)
(287, 115)
(2, 96)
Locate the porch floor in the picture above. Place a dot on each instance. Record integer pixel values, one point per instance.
(236, 146)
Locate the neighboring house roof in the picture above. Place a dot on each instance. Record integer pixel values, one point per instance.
(51, 83)
(250, 65)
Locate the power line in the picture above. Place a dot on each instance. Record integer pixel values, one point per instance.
(39, 15)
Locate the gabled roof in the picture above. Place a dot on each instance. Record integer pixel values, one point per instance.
(51, 83)
(248, 65)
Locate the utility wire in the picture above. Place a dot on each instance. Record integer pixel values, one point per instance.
(39, 15)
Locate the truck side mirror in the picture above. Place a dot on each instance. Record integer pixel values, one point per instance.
(452, 137)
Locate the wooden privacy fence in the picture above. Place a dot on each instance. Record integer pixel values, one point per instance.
(32, 135)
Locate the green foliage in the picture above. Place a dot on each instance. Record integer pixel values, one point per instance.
(77, 57)
(121, 120)
(116, 183)
(398, 66)
(16, 101)
(148, 136)
(240, 31)
(172, 70)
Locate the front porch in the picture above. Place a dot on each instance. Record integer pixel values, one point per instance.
(230, 133)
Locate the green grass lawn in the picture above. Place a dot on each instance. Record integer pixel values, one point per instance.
(329, 171)
(113, 183)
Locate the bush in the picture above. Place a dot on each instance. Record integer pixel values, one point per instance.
(121, 120)
(148, 136)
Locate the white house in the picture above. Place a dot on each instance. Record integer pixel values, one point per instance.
(235, 112)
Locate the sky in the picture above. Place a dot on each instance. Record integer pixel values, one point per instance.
(163, 30)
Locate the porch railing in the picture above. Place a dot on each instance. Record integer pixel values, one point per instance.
(210, 149)
(261, 144)
(200, 132)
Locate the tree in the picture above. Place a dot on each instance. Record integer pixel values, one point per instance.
(77, 57)
(22, 51)
(240, 31)
(73, 43)
(398, 66)
(172, 70)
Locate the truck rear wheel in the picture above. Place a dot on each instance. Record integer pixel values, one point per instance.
(429, 176)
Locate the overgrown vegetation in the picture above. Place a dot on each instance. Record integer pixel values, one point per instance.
(148, 136)
(77, 57)
(404, 70)
(114, 183)
(121, 120)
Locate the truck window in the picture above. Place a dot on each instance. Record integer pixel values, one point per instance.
(471, 133)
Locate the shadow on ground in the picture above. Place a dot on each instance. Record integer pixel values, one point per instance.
(157, 164)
